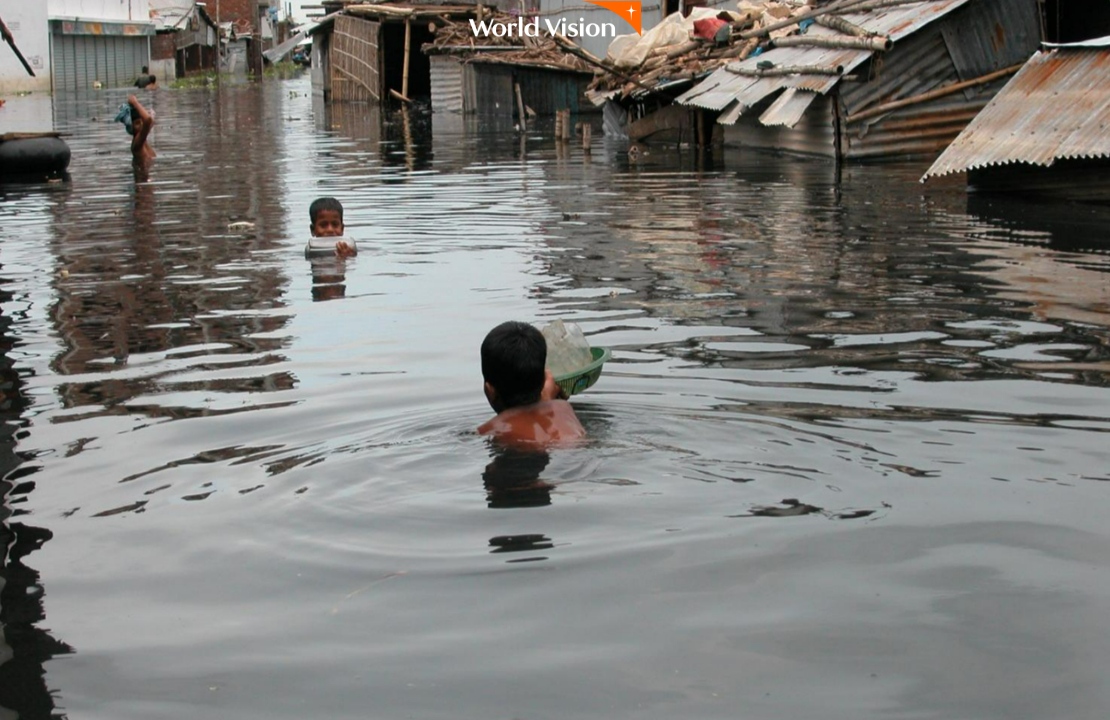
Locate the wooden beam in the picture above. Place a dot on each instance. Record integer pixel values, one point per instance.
(408, 49)
(931, 95)
(780, 70)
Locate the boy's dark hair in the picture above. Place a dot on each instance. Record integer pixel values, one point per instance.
(324, 203)
(513, 359)
(145, 70)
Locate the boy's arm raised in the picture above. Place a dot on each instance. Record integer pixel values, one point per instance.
(139, 139)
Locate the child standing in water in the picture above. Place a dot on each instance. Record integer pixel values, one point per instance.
(531, 409)
(139, 122)
(326, 216)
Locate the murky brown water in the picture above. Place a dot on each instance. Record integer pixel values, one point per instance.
(849, 459)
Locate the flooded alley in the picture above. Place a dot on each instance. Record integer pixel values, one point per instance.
(849, 458)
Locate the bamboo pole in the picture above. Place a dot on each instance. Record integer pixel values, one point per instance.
(408, 48)
(931, 95)
(593, 60)
(842, 6)
(787, 70)
(841, 25)
(868, 5)
(7, 35)
(586, 137)
(875, 42)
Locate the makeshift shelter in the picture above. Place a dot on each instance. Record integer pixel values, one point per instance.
(193, 33)
(483, 74)
(1046, 132)
(366, 53)
(871, 78)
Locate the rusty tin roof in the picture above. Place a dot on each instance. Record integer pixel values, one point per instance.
(724, 88)
(1057, 107)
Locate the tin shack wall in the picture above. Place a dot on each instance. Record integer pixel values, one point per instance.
(447, 84)
(548, 91)
(977, 39)
(813, 135)
(488, 89)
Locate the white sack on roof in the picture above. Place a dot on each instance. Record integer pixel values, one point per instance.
(768, 13)
(631, 50)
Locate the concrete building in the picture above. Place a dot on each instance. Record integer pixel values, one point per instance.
(27, 22)
(98, 43)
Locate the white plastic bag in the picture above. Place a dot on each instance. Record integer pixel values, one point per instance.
(567, 348)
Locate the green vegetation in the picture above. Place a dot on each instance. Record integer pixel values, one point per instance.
(282, 70)
(199, 80)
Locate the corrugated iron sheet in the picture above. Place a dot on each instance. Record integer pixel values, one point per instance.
(788, 108)
(722, 87)
(1013, 29)
(916, 131)
(813, 135)
(1056, 107)
(921, 63)
(447, 84)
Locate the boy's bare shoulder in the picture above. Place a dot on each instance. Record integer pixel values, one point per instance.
(547, 422)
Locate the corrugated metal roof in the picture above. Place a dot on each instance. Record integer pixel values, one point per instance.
(788, 108)
(722, 88)
(1056, 107)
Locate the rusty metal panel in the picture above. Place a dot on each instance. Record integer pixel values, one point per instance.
(916, 65)
(789, 108)
(1057, 106)
(813, 135)
(355, 59)
(922, 130)
(992, 34)
(447, 84)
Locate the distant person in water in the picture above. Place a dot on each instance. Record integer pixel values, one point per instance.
(326, 216)
(146, 80)
(139, 122)
(531, 408)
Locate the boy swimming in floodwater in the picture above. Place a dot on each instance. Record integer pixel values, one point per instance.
(531, 409)
(326, 215)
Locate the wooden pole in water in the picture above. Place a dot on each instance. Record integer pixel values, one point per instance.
(520, 109)
(586, 132)
(408, 47)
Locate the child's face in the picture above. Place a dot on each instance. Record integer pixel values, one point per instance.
(328, 224)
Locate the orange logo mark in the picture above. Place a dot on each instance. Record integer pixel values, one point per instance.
(627, 9)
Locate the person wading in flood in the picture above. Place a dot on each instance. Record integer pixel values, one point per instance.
(138, 121)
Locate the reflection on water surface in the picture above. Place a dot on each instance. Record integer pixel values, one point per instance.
(847, 460)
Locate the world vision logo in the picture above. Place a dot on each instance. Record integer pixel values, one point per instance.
(628, 10)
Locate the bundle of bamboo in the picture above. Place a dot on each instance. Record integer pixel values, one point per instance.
(460, 40)
(757, 25)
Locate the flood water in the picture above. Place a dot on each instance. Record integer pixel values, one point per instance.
(849, 459)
